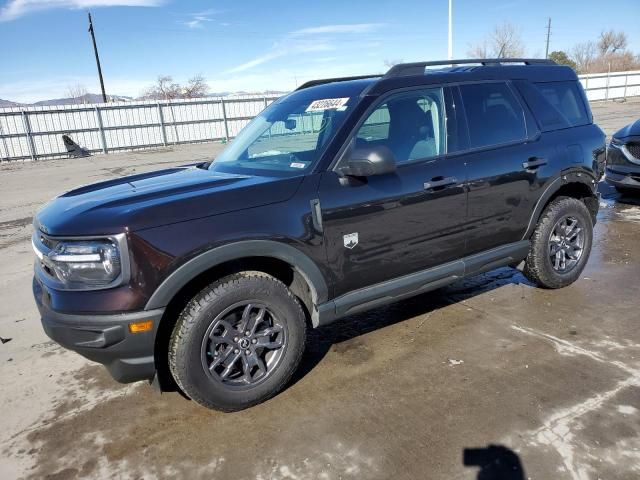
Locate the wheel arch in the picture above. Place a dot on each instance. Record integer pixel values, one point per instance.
(284, 262)
(248, 252)
(572, 184)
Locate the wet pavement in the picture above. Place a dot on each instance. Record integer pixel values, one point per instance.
(493, 372)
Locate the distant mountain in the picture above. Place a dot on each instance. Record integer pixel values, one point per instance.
(84, 99)
(91, 98)
(7, 103)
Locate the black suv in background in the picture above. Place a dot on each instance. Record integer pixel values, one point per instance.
(344, 195)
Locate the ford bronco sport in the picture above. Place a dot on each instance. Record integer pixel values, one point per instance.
(344, 195)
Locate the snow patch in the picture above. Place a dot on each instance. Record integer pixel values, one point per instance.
(627, 410)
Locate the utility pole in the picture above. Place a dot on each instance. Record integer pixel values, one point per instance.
(546, 55)
(95, 50)
(450, 30)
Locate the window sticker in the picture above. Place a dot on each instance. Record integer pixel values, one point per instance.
(326, 104)
(297, 165)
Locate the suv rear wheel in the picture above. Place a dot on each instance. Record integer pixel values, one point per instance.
(238, 342)
(560, 245)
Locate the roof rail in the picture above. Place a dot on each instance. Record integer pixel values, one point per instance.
(417, 68)
(313, 83)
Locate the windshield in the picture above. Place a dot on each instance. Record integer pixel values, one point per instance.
(286, 139)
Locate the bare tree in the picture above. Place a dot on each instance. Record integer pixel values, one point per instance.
(504, 41)
(78, 93)
(479, 51)
(583, 54)
(608, 54)
(612, 42)
(164, 89)
(196, 87)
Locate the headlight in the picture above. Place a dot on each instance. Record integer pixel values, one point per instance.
(82, 264)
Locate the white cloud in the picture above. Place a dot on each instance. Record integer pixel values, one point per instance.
(198, 19)
(197, 22)
(343, 28)
(307, 40)
(279, 50)
(284, 79)
(18, 8)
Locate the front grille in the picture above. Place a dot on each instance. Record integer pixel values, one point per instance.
(47, 242)
(634, 149)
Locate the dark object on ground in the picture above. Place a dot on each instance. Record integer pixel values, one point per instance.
(73, 148)
(5, 340)
(496, 462)
(343, 196)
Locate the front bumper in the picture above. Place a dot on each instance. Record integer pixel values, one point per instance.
(105, 339)
(630, 178)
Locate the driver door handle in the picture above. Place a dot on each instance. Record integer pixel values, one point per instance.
(534, 162)
(437, 182)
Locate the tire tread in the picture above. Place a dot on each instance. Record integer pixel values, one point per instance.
(188, 319)
(535, 264)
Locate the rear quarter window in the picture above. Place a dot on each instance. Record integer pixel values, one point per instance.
(556, 105)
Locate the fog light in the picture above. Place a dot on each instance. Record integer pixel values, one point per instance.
(143, 326)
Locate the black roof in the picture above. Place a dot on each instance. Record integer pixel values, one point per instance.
(452, 71)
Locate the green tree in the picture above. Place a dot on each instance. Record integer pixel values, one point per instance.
(561, 58)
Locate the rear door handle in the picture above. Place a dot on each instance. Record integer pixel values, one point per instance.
(534, 162)
(439, 182)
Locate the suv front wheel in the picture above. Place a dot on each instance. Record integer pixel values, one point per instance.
(237, 342)
(561, 244)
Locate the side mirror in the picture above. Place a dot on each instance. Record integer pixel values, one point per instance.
(370, 161)
(290, 124)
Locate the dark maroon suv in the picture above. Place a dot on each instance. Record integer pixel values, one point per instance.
(339, 197)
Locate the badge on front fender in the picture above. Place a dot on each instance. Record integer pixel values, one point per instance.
(350, 240)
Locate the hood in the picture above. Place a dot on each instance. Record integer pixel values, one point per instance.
(631, 130)
(158, 198)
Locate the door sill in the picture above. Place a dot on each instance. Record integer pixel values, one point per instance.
(420, 282)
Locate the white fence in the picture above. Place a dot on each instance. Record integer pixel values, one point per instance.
(610, 86)
(36, 132)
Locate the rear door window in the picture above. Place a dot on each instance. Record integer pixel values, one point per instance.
(494, 116)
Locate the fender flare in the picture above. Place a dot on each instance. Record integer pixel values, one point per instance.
(235, 251)
(567, 177)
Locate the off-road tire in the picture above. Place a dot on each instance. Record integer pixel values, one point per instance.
(538, 266)
(186, 340)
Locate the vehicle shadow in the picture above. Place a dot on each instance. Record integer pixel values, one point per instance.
(496, 462)
(321, 340)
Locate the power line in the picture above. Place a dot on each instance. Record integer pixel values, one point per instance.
(95, 50)
(546, 55)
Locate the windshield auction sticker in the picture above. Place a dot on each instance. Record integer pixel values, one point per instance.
(326, 104)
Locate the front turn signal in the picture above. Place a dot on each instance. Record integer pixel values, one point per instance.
(143, 326)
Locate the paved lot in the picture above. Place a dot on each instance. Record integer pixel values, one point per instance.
(400, 392)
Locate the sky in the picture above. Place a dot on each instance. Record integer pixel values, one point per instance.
(254, 45)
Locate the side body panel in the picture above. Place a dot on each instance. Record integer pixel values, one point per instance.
(401, 227)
